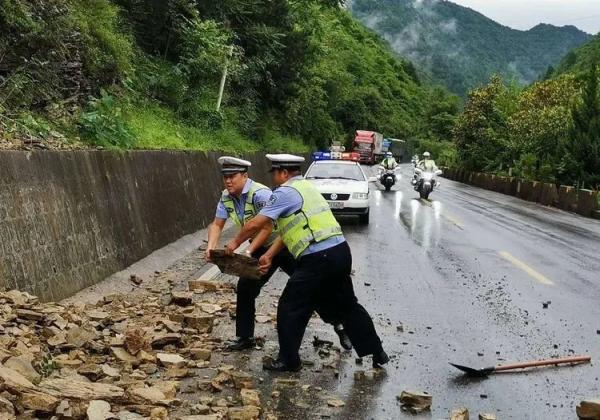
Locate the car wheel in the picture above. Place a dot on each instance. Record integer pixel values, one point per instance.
(364, 219)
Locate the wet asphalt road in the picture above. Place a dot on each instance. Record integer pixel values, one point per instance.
(466, 274)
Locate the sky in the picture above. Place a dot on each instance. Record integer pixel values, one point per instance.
(524, 14)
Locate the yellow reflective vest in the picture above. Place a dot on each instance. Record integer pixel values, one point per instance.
(313, 223)
(249, 210)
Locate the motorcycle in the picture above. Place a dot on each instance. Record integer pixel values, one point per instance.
(425, 182)
(387, 177)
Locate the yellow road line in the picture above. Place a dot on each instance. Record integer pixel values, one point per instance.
(454, 220)
(540, 278)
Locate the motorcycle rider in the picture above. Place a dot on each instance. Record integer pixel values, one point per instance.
(389, 162)
(426, 164)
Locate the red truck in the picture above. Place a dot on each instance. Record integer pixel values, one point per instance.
(369, 145)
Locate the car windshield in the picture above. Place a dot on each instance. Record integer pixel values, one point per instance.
(363, 146)
(335, 171)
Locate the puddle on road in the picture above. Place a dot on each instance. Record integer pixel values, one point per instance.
(422, 220)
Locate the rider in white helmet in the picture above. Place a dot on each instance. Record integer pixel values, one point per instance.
(389, 162)
(427, 164)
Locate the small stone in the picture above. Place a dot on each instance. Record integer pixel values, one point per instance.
(487, 416)
(359, 375)
(243, 413)
(202, 323)
(286, 382)
(242, 380)
(159, 413)
(171, 360)
(136, 280)
(124, 356)
(483, 396)
(480, 354)
(38, 401)
(7, 409)
(136, 341)
(110, 371)
(400, 328)
(99, 410)
(460, 414)
(163, 340)
(151, 395)
(545, 305)
(97, 315)
(22, 365)
(589, 409)
(91, 371)
(202, 286)
(14, 381)
(336, 403)
(415, 401)
(29, 315)
(177, 372)
(367, 284)
(79, 336)
(181, 298)
(250, 397)
(200, 409)
(201, 354)
(169, 388)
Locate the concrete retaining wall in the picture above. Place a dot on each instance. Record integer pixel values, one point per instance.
(70, 219)
(584, 202)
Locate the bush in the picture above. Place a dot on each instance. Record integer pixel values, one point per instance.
(103, 123)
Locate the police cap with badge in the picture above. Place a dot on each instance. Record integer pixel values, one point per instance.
(231, 165)
(285, 161)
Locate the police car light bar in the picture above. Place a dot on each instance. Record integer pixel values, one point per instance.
(353, 156)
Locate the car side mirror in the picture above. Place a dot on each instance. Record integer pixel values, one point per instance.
(418, 171)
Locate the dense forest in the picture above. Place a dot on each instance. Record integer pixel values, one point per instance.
(579, 59)
(146, 74)
(549, 131)
(460, 47)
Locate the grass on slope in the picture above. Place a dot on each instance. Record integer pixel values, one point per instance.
(156, 127)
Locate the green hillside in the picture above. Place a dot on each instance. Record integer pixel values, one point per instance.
(146, 74)
(580, 59)
(462, 48)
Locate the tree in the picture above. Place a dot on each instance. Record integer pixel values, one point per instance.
(481, 131)
(581, 162)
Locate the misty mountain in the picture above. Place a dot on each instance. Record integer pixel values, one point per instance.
(580, 59)
(462, 48)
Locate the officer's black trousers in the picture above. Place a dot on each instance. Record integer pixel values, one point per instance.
(249, 289)
(322, 280)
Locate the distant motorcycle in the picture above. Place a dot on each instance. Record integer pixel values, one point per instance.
(425, 182)
(387, 177)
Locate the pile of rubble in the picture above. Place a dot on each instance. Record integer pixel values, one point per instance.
(126, 357)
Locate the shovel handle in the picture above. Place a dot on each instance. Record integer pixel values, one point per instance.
(547, 362)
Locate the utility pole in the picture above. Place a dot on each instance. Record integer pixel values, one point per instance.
(223, 78)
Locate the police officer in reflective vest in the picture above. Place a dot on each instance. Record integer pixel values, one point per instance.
(241, 200)
(321, 279)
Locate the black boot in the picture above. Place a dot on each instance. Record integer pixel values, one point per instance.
(277, 365)
(344, 339)
(241, 343)
(380, 359)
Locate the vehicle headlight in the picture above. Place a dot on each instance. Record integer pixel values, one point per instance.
(360, 196)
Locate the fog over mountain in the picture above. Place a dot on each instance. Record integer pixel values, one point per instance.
(460, 47)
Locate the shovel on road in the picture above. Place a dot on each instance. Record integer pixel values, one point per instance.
(502, 368)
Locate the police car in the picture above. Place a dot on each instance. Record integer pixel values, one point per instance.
(344, 185)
